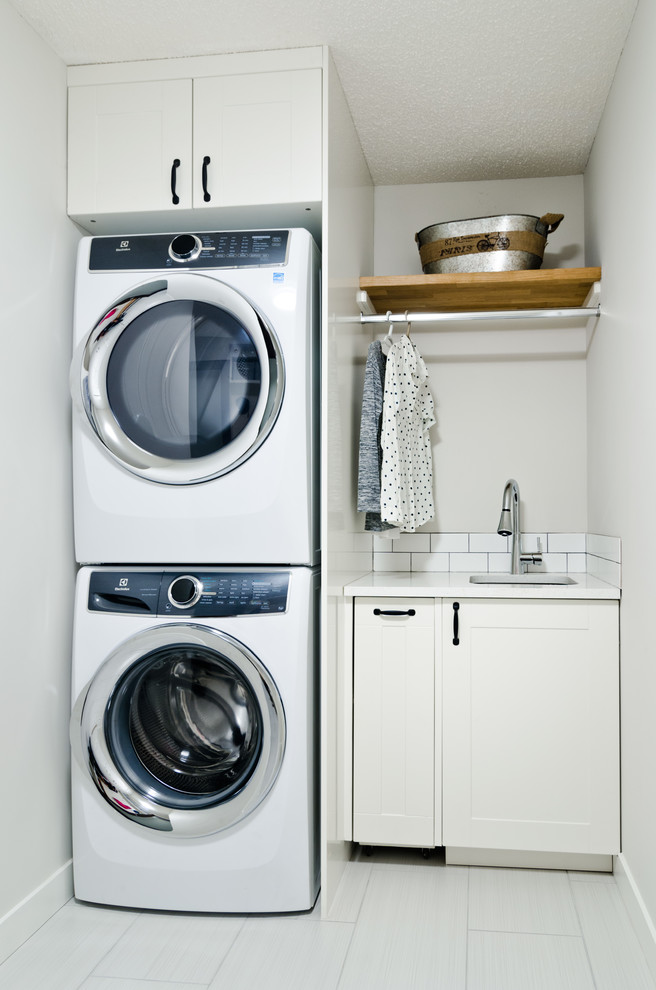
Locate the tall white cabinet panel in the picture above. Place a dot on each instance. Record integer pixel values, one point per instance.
(395, 789)
(262, 135)
(123, 141)
(531, 725)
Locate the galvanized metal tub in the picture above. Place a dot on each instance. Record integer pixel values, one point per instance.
(486, 244)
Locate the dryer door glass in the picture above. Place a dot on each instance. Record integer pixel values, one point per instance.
(183, 379)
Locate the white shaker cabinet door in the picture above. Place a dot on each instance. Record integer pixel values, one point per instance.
(257, 138)
(123, 142)
(531, 725)
(395, 790)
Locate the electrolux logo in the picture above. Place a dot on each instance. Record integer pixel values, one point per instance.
(123, 246)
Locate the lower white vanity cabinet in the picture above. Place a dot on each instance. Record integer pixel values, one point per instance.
(396, 750)
(531, 725)
(489, 726)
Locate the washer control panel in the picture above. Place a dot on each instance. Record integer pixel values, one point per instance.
(185, 247)
(202, 249)
(209, 593)
(185, 591)
(225, 592)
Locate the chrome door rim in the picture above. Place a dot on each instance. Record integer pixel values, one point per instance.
(89, 385)
(92, 752)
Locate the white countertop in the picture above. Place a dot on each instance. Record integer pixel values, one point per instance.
(453, 584)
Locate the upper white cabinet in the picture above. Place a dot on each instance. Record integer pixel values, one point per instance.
(262, 135)
(166, 146)
(123, 141)
(531, 725)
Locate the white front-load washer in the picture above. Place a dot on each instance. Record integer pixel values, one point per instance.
(194, 738)
(195, 398)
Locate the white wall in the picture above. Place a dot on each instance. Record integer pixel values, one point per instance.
(620, 198)
(499, 414)
(36, 576)
(347, 253)
(403, 210)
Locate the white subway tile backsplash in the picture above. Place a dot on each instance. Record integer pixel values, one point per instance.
(565, 542)
(468, 562)
(553, 563)
(533, 542)
(384, 544)
(412, 543)
(430, 561)
(605, 570)
(449, 542)
(608, 547)
(499, 562)
(487, 543)
(561, 553)
(391, 561)
(576, 563)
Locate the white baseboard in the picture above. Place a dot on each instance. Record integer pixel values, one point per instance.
(34, 910)
(637, 911)
(456, 856)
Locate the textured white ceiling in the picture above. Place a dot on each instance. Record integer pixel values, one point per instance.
(439, 90)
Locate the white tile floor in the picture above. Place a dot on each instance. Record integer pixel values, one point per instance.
(401, 923)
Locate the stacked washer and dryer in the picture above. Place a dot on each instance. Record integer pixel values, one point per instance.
(195, 455)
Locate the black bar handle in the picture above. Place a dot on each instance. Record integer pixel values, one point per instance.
(393, 611)
(456, 606)
(206, 195)
(174, 196)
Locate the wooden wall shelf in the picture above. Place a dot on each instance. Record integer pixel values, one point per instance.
(549, 288)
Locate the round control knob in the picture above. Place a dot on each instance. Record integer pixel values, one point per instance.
(185, 591)
(185, 247)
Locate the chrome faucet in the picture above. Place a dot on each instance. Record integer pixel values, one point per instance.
(509, 522)
(509, 525)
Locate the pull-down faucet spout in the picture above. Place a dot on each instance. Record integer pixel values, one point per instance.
(509, 523)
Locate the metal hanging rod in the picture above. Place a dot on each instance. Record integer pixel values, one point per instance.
(568, 313)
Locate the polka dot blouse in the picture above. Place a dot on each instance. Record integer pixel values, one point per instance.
(406, 483)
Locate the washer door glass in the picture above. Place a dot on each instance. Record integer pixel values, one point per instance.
(182, 381)
(186, 724)
(182, 729)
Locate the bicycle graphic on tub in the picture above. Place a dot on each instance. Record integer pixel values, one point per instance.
(492, 242)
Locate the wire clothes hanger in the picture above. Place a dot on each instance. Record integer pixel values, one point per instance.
(386, 343)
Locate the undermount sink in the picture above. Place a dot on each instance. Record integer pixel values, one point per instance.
(503, 578)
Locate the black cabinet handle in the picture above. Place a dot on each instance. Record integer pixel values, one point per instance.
(206, 195)
(174, 196)
(456, 606)
(393, 611)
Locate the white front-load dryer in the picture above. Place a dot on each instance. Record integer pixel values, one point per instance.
(195, 398)
(194, 738)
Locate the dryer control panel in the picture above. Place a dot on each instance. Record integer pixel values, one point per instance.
(208, 593)
(202, 249)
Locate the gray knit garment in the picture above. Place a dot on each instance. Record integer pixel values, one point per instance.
(370, 450)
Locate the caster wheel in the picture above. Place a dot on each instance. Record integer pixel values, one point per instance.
(368, 851)
(425, 853)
